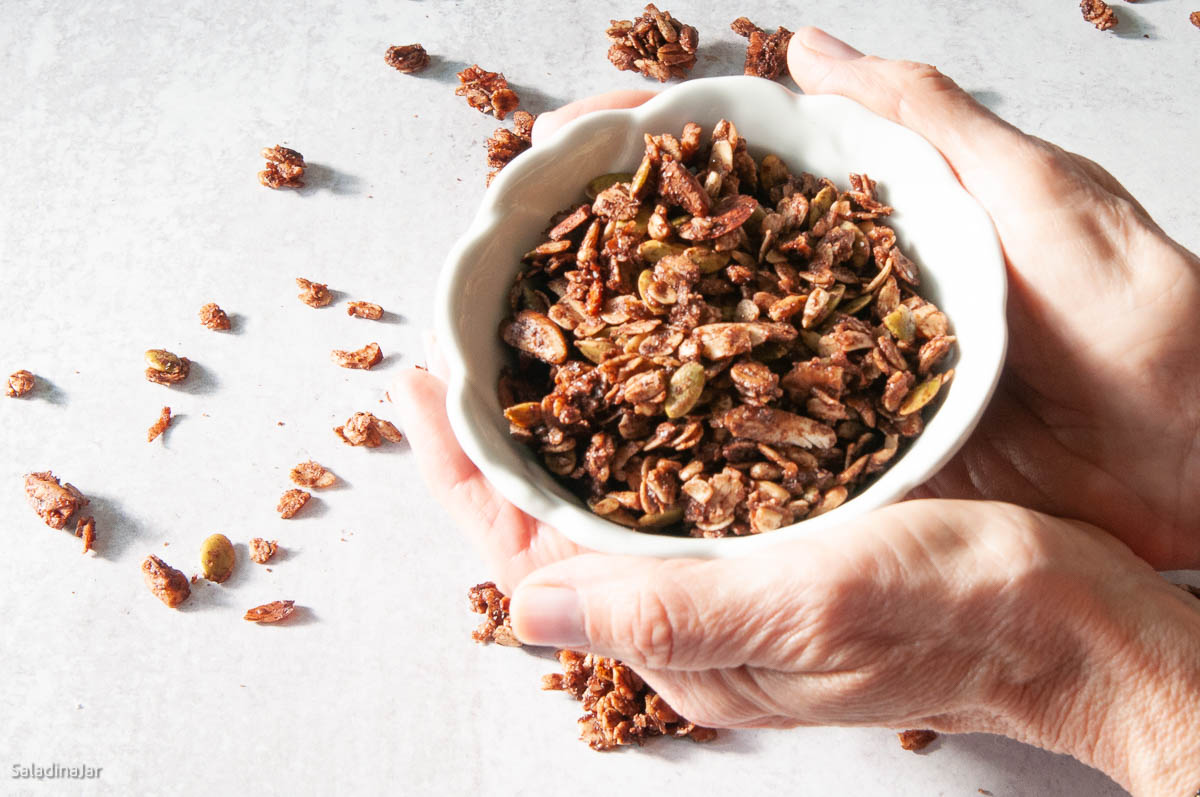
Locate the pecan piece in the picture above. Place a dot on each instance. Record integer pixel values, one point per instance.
(291, 502)
(407, 58)
(728, 215)
(680, 187)
(284, 169)
(53, 502)
(271, 612)
(168, 584)
(362, 359)
(19, 384)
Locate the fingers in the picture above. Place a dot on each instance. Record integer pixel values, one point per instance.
(665, 614)
(914, 95)
(551, 121)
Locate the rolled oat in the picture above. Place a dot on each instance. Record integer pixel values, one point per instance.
(362, 359)
(367, 310)
(261, 551)
(292, 502)
(312, 474)
(271, 612)
(407, 58)
(364, 429)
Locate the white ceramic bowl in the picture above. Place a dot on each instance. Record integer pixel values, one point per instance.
(939, 225)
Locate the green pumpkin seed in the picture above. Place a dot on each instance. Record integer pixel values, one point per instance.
(901, 324)
(660, 520)
(598, 184)
(653, 251)
(820, 205)
(684, 389)
(921, 395)
(708, 261)
(638, 181)
(640, 223)
(527, 414)
(217, 558)
(163, 361)
(857, 303)
(595, 350)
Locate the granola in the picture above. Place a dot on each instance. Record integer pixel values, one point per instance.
(159, 426)
(487, 92)
(213, 317)
(766, 53)
(312, 474)
(504, 144)
(168, 584)
(271, 612)
(19, 384)
(496, 627)
(407, 58)
(292, 502)
(654, 44)
(362, 359)
(364, 429)
(85, 528)
(718, 346)
(367, 310)
(1194, 17)
(284, 169)
(261, 550)
(1099, 13)
(314, 294)
(55, 503)
(165, 368)
(619, 707)
(916, 740)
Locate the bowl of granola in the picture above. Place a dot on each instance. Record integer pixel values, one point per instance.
(681, 330)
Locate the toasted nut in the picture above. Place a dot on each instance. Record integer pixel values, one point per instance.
(820, 205)
(921, 395)
(271, 612)
(595, 350)
(168, 584)
(53, 501)
(217, 558)
(536, 335)
(653, 251)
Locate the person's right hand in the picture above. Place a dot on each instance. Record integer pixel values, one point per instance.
(1098, 412)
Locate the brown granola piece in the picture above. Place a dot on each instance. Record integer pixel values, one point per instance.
(271, 612)
(261, 551)
(766, 53)
(291, 502)
(159, 426)
(53, 502)
(620, 708)
(168, 584)
(407, 58)
(1195, 18)
(504, 145)
(367, 310)
(19, 384)
(916, 739)
(284, 168)
(493, 605)
(487, 92)
(364, 429)
(85, 527)
(1099, 13)
(214, 317)
(362, 359)
(654, 44)
(312, 474)
(166, 368)
(314, 294)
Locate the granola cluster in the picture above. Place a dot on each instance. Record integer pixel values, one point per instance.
(314, 294)
(168, 584)
(55, 503)
(262, 550)
(407, 58)
(1098, 13)
(367, 310)
(1194, 17)
(312, 474)
(654, 44)
(363, 359)
(284, 168)
(213, 317)
(19, 384)
(291, 502)
(505, 144)
(619, 707)
(364, 429)
(487, 92)
(766, 53)
(916, 740)
(717, 346)
(496, 627)
(166, 368)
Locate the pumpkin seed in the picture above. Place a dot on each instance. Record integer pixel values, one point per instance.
(527, 414)
(921, 395)
(163, 361)
(901, 324)
(708, 261)
(598, 184)
(820, 205)
(684, 389)
(653, 251)
(595, 350)
(217, 558)
(660, 520)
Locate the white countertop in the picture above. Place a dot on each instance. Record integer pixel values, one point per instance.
(129, 139)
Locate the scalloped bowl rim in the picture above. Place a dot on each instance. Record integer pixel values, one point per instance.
(512, 470)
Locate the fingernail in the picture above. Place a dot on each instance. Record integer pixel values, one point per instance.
(548, 616)
(821, 42)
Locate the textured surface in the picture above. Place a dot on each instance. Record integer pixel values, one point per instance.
(128, 199)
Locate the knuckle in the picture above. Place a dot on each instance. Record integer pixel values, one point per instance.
(662, 609)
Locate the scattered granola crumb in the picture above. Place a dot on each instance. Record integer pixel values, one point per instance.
(362, 359)
(916, 740)
(504, 144)
(1098, 13)
(407, 58)
(1195, 18)
(214, 317)
(168, 584)
(493, 605)
(54, 503)
(85, 527)
(160, 426)
(654, 44)
(367, 310)
(291, 502)
(314, 294)
(364, 429)
(271, 612)
(487, 91)
(284, 168)
(766, 53)
(261, 551)
(166, 368)
(312, 474)
(19, 384)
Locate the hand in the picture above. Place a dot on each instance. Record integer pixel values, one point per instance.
(952, 615)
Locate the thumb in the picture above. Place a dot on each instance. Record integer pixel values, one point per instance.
(677, 614)
(914, 95)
